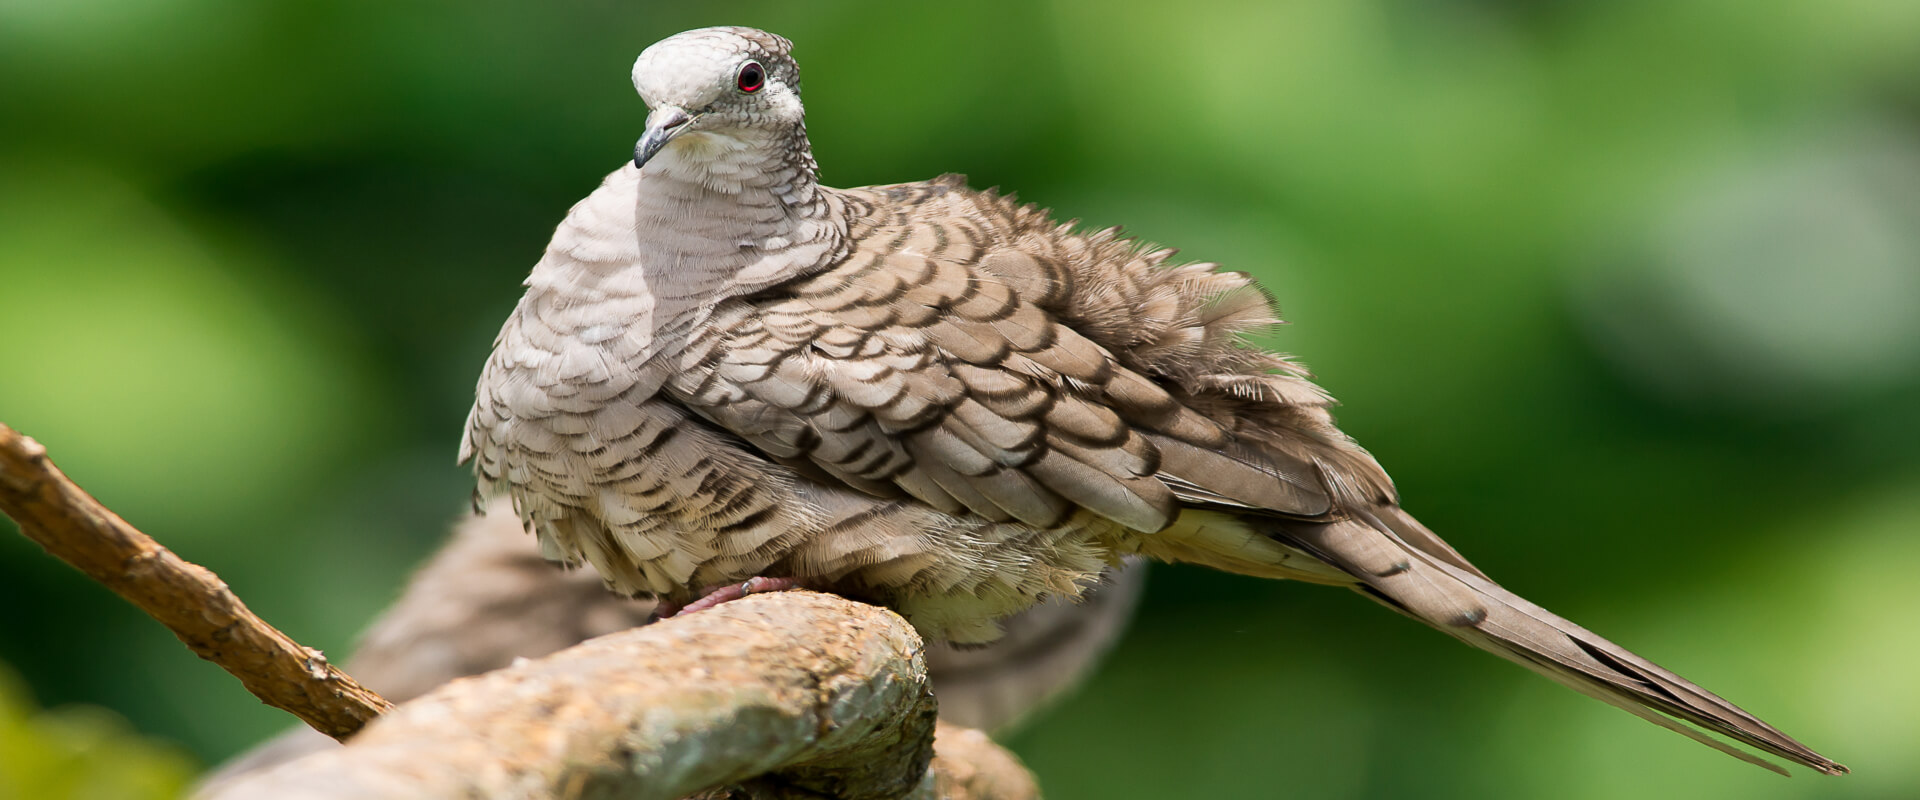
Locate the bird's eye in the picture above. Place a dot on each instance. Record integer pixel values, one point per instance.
(752, 76)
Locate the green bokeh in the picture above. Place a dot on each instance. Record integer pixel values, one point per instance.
(1625, 294)
(81, 752)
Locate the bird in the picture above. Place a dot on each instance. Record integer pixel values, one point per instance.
(725, 377)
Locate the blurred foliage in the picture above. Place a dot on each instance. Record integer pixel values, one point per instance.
(82, 753)
(1626, 294)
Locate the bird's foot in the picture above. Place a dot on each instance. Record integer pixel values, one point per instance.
(721, 594)
(664, 608)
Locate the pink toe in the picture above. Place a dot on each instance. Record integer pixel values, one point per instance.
(735, 591)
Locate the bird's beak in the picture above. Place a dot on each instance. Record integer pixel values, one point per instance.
(663, 124)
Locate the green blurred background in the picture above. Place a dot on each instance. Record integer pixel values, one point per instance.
(1625, 294)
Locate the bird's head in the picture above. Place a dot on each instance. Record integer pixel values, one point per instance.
(717, 90)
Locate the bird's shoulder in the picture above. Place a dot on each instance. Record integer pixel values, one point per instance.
(973, 353)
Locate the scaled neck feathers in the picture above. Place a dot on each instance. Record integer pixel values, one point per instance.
(649, 254)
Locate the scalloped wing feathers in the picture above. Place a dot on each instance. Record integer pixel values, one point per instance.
(974, 355)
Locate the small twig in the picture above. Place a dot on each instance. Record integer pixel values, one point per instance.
(187, 598)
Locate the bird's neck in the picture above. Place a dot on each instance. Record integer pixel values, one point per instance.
(747, 203)
(709, 217)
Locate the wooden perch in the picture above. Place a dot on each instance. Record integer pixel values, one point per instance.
(792, 694)
(187, 598)
(787, 695)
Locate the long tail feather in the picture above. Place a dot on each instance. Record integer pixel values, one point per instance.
(1441, 590)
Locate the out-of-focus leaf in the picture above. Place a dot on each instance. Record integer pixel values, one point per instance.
(80, 753)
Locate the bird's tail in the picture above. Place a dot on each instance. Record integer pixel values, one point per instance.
(1404, 566)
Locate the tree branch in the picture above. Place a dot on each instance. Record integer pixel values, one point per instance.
(187, 598)
(820, 695)
(791, 695)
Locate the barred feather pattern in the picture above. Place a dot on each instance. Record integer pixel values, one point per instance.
(944, 401)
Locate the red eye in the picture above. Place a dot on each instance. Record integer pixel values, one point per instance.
(752, 77)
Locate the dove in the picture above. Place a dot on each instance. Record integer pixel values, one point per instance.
(726, 377)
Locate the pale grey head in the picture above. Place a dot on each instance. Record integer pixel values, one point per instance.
(733, 84)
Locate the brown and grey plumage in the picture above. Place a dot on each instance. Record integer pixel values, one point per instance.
(940, 400)
(487, 598)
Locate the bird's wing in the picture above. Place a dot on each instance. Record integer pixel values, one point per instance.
(928, 363)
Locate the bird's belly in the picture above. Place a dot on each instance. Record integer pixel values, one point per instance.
(655, 499)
